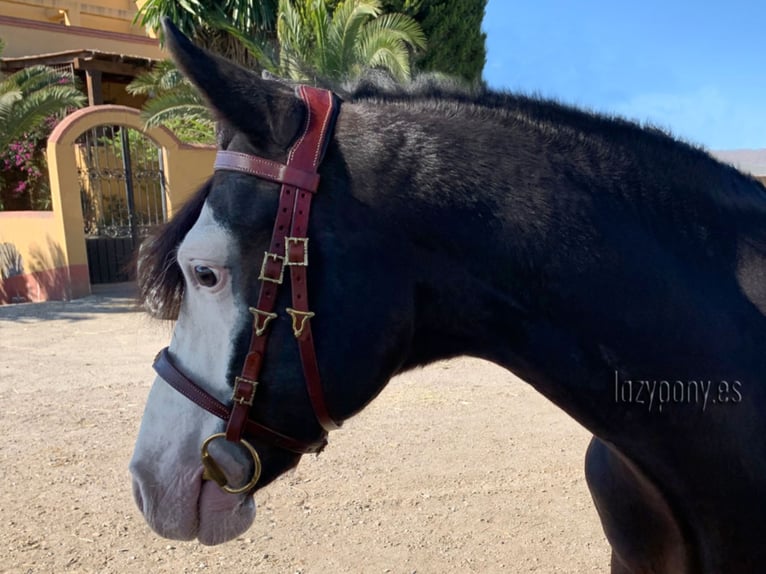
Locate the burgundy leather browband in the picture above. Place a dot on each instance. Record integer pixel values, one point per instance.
(288, 249)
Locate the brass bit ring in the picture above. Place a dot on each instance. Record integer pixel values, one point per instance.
(212, 471)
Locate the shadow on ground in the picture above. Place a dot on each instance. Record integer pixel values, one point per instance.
(106, 298)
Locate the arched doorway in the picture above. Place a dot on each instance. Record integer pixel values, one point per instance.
(122, 190)
(91, 172)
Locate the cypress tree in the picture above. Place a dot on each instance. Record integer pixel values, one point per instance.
(456, 43)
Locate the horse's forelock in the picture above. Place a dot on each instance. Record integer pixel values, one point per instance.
(160, 280)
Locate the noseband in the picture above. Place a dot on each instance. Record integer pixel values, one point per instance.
(288, 248)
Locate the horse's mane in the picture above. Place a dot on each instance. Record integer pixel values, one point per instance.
(442, 93)
(578, 131)
(160, 280)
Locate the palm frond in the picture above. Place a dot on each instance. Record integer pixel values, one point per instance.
(318, 20)
(404, 27)
(164, 76)
(357, 36)
(7, 100)
(261, 49)
(293, 40)
(34, 78)
(381, 49)
(241, 30)
(246, 14)
(182, 113)
(177, 104)
(34, 107)
(182, 14)
(348, 19)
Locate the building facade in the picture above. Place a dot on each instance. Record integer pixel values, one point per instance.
(96, 41)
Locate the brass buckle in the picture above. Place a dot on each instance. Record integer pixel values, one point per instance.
(242, 400)
(295, 240)
(299, 320)
(212, 471)
(267, 318)
(275, 257)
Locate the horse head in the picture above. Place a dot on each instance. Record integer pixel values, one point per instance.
(204, 270)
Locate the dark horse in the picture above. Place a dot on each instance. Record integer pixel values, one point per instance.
(620, 272)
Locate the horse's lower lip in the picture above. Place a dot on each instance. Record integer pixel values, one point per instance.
(194, 508)
(223, 516)
(174, 517)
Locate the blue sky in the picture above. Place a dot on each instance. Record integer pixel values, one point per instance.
(696, 68)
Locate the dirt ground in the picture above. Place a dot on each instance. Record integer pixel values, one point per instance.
(459, 467)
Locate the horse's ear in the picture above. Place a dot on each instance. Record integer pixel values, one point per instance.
(268, 112)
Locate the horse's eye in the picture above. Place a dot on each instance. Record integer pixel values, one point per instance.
(205, 276)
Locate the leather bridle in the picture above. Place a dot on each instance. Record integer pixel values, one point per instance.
(288, 248)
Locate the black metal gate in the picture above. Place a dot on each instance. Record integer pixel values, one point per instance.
(122, 188)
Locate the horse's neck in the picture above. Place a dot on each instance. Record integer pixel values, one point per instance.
(470, 297)
(483, 224)
(516, 262)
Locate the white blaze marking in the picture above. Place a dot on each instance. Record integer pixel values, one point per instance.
(166, 460)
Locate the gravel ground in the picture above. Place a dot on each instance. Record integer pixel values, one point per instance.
(458, 467)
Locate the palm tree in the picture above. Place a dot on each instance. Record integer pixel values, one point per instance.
(173, 102)
(30, 102)
(29, 96)
(340, 46)
(313, 44)
(240, 30)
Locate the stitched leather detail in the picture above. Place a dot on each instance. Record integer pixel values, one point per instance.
(167, 370)
(266, 169)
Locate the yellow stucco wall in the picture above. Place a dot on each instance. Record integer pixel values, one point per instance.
(55, 241)
(33, 27)
(105, 15)
(187, 166)
(35, 229)
(32, 251)
(186, 170)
